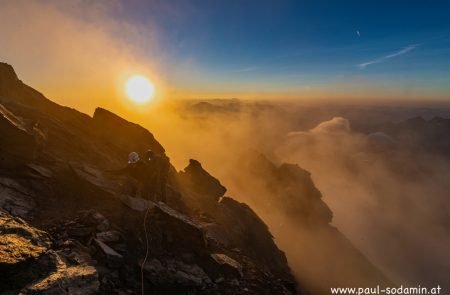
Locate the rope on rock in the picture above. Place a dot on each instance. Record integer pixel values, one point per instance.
(146, 249)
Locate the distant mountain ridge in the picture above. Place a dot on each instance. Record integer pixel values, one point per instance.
(420, 134)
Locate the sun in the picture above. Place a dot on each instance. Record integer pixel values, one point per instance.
(139, 89)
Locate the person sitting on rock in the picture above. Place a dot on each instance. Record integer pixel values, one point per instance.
(158, 174)
(137, 170)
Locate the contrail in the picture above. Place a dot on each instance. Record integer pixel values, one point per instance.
(387, 57)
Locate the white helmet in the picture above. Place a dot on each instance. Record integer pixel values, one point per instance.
(133, 157)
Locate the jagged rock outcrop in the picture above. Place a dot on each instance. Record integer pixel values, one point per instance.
(287, 186)
(286, 194)
(199, 181)
(202, 190)
(236, 221)
(58, 174)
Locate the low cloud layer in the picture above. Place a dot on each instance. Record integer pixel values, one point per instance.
(391, 203)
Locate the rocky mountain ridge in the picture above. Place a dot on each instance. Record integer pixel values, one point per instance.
(68, 227)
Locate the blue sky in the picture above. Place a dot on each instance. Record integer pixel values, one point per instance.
(304, 43)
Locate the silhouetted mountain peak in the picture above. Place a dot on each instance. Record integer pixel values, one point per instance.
(128, 135)
(8, 77)
(7, 73)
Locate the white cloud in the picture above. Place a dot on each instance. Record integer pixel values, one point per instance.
(337, 124)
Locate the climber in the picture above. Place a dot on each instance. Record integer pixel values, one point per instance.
(137, 170)
(159, 170)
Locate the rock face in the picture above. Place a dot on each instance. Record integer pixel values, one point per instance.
(16, 139)
(20, 242)
(127, 136)
(199, 181)
(287, 192)
(202, 190)
(288, 186)
(248, 233)
(67, 224)
(29, 265)
(9, 78)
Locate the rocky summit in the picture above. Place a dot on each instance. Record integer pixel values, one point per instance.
(68, 225)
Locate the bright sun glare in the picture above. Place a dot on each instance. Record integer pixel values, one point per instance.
(139, 89)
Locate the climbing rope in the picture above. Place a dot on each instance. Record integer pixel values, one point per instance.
(146, 250)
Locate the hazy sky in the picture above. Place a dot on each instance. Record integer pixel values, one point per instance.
(81, 51)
